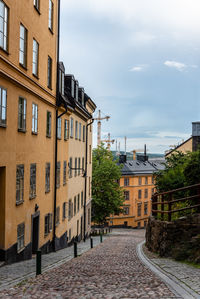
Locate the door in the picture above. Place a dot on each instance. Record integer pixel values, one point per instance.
(35, 233)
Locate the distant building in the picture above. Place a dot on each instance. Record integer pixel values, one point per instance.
(189, 145)
(138, 185)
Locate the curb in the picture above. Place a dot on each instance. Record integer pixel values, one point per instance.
(175, 285)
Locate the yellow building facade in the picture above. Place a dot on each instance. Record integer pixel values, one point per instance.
(34, 177)
(137, 181)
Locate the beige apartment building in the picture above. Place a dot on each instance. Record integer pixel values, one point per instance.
(35, 141)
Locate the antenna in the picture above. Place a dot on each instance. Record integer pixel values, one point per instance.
(125, 138)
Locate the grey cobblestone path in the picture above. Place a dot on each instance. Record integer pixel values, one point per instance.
(14, 273)
(110, 270)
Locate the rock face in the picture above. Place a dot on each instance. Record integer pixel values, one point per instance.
(179, 239)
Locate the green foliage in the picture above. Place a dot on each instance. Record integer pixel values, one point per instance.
(106, 192)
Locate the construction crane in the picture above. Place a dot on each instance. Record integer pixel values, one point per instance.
(99, 118)
(139, 151)
(109, 141)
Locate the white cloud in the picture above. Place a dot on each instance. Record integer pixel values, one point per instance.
(175, 64)
(136, 69)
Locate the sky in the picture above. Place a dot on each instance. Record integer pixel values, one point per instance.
(139, 61)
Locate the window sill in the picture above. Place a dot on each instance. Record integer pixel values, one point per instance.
(50, 87)
(32, 197)
(19, 202)
(21, 249)
(37, 10)
(21, 130)
(66, 139)
(51, 31)
(64, 184)
(34, 133)
(59, 138)
(48, 136)
(47, 191)
(36, 76)
(71, 137)
(5, 51)
(23, 66)
(3, 125)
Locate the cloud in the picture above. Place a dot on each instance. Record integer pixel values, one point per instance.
(174, 64)
(138, 68)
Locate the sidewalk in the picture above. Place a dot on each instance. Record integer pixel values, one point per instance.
(183, 278)
(17, 272)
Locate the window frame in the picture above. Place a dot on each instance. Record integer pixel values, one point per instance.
(70, 166)
(58, 175)
(146, 208)
(126, 182)
(83, 133)
(34, 119)
(49, 72)
(139, 210)
(36, 4)
(50, 19)
(32, 190)
(59, 128)
(80, 130)
(64, 173)
(76, 129)
(66, 129)
(139, 194)
(71, 127)
(22, 114)
(35, 59)
(126, 195)
(20, 236)
(19, 183)
(2, 107)
(48, 124)
(64, 214)
(5, 20)
(57, 216)
(47, 177)
(25, 43)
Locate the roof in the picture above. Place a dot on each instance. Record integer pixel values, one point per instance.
(136, 167)
(177, 147)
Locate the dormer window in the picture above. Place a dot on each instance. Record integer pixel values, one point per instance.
(76, 90)
(72, 88)
(81, 96)
(82, 99)
(61, 82)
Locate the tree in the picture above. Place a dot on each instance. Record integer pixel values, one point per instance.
(106, 192)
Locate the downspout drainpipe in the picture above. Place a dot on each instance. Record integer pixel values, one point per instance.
(56, 128)
(85, 195)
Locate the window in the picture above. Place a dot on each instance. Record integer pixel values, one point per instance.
(57, 215)
(49, 72)
(75, 172)
(3, 26)
(71, 127)
(66, 129)
(47, 178)
(61, 82)
(51, 15)
(89, 216)
(3, 101)
(140, 181)
(34, 118)
(64, 172)
(89, 191)
(76, 129)
(47, 224)
(90, 154)
(78, 202)
(146, 180)
(81, 199)
(83, 133)
(32, 193)
(79, 166)
(138, 225)
(126, 181)
(70, 166)
(36, 3)
(70, 234)
(58, 175)
(35, 57)
(146, 193)
(70, 210)
(80, 128)
(74, 205)
(139, 194)
(48, 129)
(126, 210)
(64, 210)
(126, 195)
(139, 209)
(23, 46)
(22, 114)
(83, 163)
(20, 236)
(145, 208)
(59, 124)
(152, 179)
(19, 184)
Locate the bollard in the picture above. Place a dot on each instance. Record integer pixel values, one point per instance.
(75, 249)
(38, 262)
(101, 238)
(91, 242)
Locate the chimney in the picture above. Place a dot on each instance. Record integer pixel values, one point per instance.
(122, 159)
(195, 136)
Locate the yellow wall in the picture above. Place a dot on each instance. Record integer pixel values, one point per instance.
(132, 218)
(184, 148)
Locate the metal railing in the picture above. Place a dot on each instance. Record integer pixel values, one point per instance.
(174, 203)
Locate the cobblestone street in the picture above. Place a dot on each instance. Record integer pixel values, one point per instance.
(110, 270)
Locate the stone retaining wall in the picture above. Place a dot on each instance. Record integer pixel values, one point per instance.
(179, 239)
